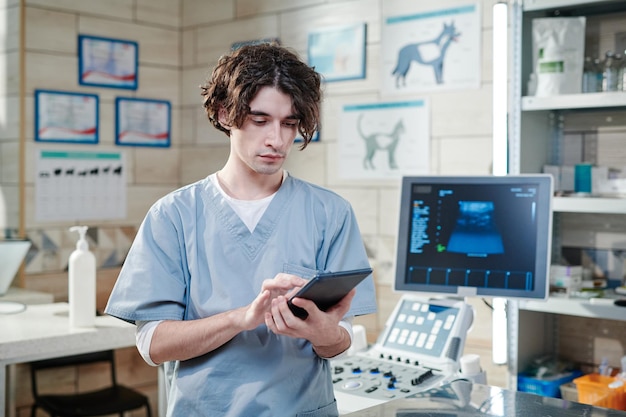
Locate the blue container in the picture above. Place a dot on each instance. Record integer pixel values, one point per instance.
(582, 178)
(548, 387)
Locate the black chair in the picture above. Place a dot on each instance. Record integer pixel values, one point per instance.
(113, 399)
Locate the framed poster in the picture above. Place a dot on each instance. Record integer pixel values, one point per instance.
(142, 122)
(384, 140)
(338, 52)
(75, 185)
(431, 50)
(105, 62)
(63, 116)
(315, 138)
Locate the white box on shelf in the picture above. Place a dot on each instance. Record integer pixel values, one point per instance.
(567, 277)
(598, 176)
(555, 171)
(616, 186)
(566, 270)
(567, 178)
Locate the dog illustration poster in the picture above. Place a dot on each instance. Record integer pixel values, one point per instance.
(384, 140)
(432, 50)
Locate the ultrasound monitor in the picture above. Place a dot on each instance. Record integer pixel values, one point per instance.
(475, 236)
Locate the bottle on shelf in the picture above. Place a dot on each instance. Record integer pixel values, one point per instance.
(621, 74)
(622, 374)
(592, 75)
(610, 68)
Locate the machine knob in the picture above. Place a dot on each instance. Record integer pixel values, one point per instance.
(351, 385)
(375, 370)
(391, 385)
(388, 374)
(356, 370)
(423, 377)
(426, 375)
(338, 369)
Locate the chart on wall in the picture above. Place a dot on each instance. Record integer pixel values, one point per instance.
(431, 50)
(384, 140)
(78, 185)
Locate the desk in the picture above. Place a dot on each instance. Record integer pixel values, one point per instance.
(464, 399)
(42, 331)
(21, 295)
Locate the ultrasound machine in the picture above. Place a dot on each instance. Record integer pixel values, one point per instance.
(479, 236)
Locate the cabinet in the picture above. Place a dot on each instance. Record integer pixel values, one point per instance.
(538, 129)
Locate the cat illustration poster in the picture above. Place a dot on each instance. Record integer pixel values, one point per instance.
(384, 140)
(431, 50)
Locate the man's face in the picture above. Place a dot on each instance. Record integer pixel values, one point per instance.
(266, 136)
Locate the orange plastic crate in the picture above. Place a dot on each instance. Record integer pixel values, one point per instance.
(594, 389)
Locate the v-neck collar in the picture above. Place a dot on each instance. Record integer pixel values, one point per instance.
(252, 242)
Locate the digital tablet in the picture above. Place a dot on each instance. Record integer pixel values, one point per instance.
(327, 288)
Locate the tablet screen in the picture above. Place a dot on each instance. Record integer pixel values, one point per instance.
(326, 289)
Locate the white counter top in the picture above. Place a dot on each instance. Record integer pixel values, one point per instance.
(21, 295)
(42, 331)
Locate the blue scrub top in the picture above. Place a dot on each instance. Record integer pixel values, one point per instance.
(193, 257)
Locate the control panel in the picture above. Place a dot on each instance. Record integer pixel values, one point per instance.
(418, 350)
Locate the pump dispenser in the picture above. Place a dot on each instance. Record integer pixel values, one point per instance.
(82, 282)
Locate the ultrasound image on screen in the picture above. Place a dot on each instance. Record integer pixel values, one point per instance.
(483, 235)
(475, 229)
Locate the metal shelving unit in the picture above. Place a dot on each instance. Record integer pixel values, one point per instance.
(580, 308)
(574, 101)
(535, 125)
(589, 205)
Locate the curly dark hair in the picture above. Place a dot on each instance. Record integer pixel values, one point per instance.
(238, 77)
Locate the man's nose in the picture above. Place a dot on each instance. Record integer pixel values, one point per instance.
(276, 135)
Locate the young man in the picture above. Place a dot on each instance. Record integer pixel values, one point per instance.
(213, 264)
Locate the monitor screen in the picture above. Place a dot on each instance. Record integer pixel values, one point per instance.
(475, 236)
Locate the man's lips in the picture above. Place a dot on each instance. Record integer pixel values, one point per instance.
(272, 156)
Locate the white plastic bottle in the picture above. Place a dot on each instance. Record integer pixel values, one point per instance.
(622, 374)
(82, 282)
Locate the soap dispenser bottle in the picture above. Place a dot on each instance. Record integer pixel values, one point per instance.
(82, 282)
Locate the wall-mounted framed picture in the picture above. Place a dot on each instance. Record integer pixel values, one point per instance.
(105, 62)
(444, 54)
(315, 138)
(142, 122)
(338, 52)
(65, 116)
(384, 140)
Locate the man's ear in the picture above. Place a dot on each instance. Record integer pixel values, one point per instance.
(221, 117)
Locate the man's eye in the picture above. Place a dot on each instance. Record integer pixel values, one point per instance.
(258, 121)
(291, 124)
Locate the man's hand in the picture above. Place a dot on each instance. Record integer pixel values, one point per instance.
(320, 328)
(186, 339)
(279, 286)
